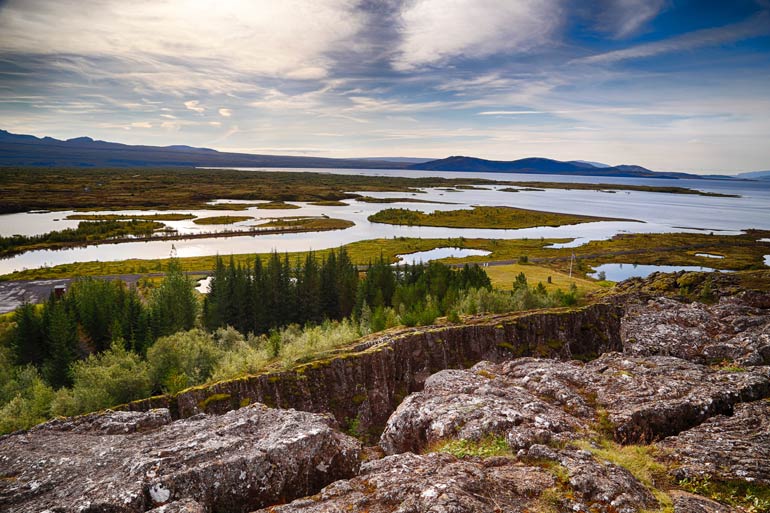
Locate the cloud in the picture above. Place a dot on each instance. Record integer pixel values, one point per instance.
(436, 31)
(623, 18)
(225, 113)
(755, 26)
(195, 106)
(281, 38)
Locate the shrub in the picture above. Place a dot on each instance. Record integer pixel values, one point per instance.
(183, 359)
(113, 377)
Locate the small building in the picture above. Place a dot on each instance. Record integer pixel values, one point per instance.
(59, 291)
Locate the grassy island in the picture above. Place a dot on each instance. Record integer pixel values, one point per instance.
(221, 220)
(482, 217)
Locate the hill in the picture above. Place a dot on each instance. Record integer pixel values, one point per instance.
(536, 165)
(755, 175)
(28, 150)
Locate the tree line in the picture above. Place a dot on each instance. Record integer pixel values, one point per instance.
(86, 231)
(263, 297)
(92, 315)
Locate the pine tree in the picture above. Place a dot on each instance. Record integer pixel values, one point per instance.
(27, 342)
(61, 339)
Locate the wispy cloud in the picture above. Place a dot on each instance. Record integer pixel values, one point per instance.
(755, 26)
(623, 18)
(225, 113)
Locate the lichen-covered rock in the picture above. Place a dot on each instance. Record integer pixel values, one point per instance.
(726, 448)
(644, 398)
(736, 329)
(688, 503)
(535, 400)
(435, 483)
(472, 405)
(132, 462)
(183, 506)
(595, 485)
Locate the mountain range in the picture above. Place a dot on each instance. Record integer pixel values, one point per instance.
(28, 150)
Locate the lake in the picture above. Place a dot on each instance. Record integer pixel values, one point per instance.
(659, 213)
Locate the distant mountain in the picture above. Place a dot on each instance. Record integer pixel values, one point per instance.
(588, 162)
(755, 175)
(536, 165)
(28, 150)
(407, 160)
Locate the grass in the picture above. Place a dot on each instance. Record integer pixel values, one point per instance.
(640, 460)
(221, 220)
(485, 448)
(120, 217)
(539, 186)
(502, 277)
(750, 497)
(25, 189)
(309, 223)
(329, 203)
(369, 199)
(482, 217)
(276, 205)
(741, 252)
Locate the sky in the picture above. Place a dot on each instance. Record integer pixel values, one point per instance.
(672, 85)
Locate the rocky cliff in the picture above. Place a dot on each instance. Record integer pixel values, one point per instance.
(363, 386)
(625, 406)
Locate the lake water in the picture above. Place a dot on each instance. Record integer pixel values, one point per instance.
(439, 253)
(657, 213)
(620, 272)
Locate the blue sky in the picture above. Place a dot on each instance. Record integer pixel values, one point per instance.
(671, 85)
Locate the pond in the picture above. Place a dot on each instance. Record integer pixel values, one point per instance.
(620, 272)
(439, 253)
(708, 255)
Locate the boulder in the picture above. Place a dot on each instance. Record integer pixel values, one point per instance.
(435, 483)
(472, 405)
(133, 462)
(736, 330)
(689, 503)
(642, 398)
(733, 447)
(531, 400)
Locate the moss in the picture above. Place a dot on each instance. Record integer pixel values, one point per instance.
(486, 374)
(484, 448)
(212, 399)
(751, 497)
(244, 402)
(359, 398)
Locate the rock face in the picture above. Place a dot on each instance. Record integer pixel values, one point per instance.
(431, 483)
(133, 462)
(727, 448)
(365, 386)
(535, 400)
(736, 329)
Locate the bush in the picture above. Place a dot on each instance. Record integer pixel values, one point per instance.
(113, 377)
(31, 405)
(181, 360)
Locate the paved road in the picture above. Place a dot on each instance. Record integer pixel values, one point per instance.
(14, 293)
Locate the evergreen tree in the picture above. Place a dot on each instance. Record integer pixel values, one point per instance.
(27, 341)
(173, 304)
(61, 340)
